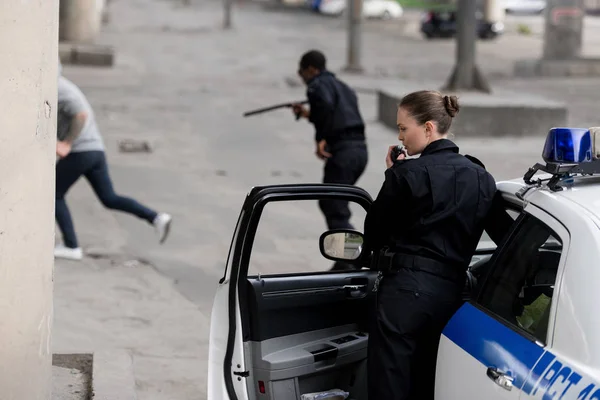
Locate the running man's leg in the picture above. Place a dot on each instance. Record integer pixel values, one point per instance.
(68, 171)
(99, 178)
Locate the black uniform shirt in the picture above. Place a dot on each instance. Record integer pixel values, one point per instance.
(433, 206)
(333, 109)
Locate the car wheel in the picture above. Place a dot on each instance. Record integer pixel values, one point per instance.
(488, 35)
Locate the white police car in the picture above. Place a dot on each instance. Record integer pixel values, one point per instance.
(529, 329)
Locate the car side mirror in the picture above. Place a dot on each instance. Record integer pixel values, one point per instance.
(341, 244)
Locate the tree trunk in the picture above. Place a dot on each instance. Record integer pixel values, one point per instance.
(466, 74)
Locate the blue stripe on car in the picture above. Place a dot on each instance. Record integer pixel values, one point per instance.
(495, 345)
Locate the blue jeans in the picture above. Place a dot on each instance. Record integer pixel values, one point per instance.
(92, 165)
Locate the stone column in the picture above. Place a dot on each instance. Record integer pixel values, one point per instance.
(563, 29)
(334, 244)
(80, 20)
(28, 79)
(354, 9)
(493, 11)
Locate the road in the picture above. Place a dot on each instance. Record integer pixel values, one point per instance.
(182, 83)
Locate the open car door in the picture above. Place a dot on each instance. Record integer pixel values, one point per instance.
(277, 336)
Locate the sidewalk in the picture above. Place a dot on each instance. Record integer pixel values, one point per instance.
(120, 303)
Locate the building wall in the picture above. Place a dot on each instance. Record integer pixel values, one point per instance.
(28, 77)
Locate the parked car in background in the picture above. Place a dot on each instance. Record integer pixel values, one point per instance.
(524, 6)
(442, 24)
(383, 9)
(314, 4)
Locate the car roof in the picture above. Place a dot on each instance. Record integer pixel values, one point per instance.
(582, 191)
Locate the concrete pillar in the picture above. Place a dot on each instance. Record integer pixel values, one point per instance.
(563, 29)
(493, 11)
(227, 5)
(80, 20)
(334, 244)
(28, 79)
(354, 10)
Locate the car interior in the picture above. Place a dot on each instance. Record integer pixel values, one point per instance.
(524, 288)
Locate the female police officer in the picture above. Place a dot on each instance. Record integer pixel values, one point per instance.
(424, 224)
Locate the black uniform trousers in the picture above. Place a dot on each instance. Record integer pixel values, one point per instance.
(347, 163)
(412, 308)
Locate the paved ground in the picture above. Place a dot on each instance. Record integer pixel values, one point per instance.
(182, 83)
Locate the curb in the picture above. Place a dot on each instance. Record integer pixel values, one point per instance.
(112, 376)
(86, 54)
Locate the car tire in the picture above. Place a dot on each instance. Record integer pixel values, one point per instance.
(487, 35)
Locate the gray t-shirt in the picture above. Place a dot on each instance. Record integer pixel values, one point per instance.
(72, 101)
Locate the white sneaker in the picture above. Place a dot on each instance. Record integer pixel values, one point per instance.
(162, 223)
(68, 253)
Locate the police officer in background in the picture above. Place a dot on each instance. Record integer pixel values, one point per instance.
(424, 226)
(339, 131)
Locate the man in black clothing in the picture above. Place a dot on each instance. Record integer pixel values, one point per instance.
(339, 131)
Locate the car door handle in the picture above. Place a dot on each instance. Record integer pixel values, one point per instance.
(355, 290)
(500, 378)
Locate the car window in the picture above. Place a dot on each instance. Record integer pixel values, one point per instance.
(485, 242)
(520, 286)
(287, 238)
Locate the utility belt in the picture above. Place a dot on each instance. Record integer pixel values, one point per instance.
(390, 261)
(346, 138)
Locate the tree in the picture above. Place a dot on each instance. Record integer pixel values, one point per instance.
(466, 74)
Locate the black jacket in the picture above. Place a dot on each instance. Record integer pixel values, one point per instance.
(433, 206)
(334, 109)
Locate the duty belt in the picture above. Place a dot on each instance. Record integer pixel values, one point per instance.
(392, 261)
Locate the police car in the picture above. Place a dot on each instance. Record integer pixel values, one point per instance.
(528, 328)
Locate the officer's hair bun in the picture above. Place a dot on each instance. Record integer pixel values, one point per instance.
(431, 105)
(451, 105)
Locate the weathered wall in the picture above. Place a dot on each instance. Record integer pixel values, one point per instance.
(28, 75)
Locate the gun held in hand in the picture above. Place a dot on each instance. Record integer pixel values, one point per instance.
(275, 107)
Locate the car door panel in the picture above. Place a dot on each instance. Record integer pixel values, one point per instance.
(300, 333)
(499, 340)
(310, 330)
(484, 348)
(285, 305)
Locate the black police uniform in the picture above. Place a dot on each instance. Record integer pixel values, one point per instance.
(426, 220)
(335, 115)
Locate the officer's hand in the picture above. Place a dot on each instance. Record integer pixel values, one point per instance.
(320, 152)
(300, 110)
(388, 157)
